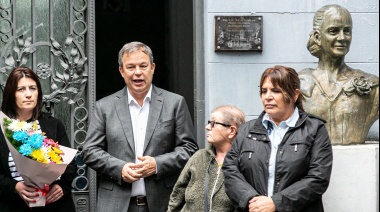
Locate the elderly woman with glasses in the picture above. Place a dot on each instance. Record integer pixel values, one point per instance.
(282, 160)
(200, 186)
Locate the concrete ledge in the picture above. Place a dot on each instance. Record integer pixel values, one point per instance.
(354, 182)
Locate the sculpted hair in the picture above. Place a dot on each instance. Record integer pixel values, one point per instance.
(9, 106)
(231, 115)
(133, 47)
(286, 79)
(319, 17)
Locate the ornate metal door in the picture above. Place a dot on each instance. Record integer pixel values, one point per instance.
(56, 39)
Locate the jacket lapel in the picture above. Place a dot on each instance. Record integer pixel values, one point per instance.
(122, 110)
(154, 114)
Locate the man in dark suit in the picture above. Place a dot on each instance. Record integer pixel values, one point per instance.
(139, 138)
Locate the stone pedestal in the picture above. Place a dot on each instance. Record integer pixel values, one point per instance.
(354, 182)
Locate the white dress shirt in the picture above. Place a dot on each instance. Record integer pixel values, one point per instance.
(139, 116)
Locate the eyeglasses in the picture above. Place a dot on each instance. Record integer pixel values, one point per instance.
(212, 123)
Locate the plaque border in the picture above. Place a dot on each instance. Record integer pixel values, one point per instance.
(254, 41)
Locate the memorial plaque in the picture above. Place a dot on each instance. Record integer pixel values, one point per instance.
(238, 33)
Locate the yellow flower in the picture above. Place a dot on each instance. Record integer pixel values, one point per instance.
(35, 126)
(56, 150)
(38, 155)
(54, 157)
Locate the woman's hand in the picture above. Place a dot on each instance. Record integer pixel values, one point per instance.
(261, 204)
(26, 193)
(55, 193)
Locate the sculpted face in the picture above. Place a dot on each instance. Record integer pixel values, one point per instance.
(336, 33)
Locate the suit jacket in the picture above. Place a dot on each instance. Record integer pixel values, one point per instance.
(109, 146)
(9, 199)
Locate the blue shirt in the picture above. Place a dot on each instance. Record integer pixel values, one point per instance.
(276, 134)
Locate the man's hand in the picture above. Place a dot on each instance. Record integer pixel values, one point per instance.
(129, 174)
(146, 168)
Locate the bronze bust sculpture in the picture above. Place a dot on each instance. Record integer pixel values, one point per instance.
(347, 98)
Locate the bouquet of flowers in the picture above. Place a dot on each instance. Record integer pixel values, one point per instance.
(39, 160)
(28, 140)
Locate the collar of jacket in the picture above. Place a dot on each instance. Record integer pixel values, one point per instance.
(260, 129)
(124, 92)
(211, 150)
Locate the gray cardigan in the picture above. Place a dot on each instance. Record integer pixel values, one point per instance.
(188, 192)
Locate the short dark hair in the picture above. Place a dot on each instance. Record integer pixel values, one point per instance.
(8, 106)
(287, 80)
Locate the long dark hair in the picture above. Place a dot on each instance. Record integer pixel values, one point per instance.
(287, 80)
(9, 106)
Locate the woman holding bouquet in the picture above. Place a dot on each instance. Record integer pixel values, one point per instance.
(22, 100)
